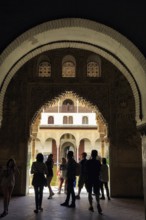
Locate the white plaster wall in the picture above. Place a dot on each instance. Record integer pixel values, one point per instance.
(77, 118)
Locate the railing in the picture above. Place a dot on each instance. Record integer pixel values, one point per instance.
(67, 109)
(83, 126)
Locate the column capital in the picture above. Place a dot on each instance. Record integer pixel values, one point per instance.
(142, 129)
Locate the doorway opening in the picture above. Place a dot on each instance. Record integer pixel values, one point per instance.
(67, 123)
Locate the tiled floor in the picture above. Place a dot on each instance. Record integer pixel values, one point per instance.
(117, 209)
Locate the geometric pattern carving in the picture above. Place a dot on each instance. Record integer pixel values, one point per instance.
(67, 95)
(67, 23)
(93, 69)
(44, 69)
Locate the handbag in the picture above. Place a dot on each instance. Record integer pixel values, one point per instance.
(45, 181)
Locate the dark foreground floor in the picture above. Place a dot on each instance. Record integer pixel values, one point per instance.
(21, 208)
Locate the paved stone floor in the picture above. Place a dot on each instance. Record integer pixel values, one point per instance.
(21, 208)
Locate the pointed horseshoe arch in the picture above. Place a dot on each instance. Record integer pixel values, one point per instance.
(74, 95)
(84, 34)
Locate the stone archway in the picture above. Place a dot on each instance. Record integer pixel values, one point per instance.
(116, 149)
(34, 90)
(78, 33)
(67, 141)
(115, 113)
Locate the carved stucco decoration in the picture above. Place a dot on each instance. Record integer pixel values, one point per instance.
(14, 57)
(71, 94)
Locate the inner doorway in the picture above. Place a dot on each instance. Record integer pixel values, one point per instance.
(66, 148)
(57, 129)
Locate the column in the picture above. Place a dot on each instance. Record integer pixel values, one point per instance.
(33, 149)
(57, 146)
(77, 147)
(77, 154)
(102, 148)
(144, 168)
(58, 105)
(77, 106)
(142, 130)
(92, 144)
(57, 156)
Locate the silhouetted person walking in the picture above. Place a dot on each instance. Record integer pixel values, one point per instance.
(8, 183)
(50, 164)
(71, 176)
(62, 175)
(39, 170)
(92, 181)
(104, 178)
(81, 181)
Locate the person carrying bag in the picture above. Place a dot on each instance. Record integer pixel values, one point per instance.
(39, 170)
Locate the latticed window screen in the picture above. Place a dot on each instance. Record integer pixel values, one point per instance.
(68, 69)
(44, 69)
(93, 69)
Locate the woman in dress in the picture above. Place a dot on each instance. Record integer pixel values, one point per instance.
(39, 170)
(104, 178)
(49, 164)
(8, 183)
(62, 175)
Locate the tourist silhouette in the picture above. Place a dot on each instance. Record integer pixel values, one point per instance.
(81, 180)
(39, 170)
(7, 183)
(50, 164)
(92, 181)
(71, 176)
(104, 178)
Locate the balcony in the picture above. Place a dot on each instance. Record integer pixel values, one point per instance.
(67, 109)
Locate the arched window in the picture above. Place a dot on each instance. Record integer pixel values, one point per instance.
(68, 105)
(85, 120)
(44, 69)
(50, 120)
(64, 119)
(93, 66)
(70, 120)
(68, 66)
